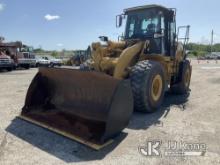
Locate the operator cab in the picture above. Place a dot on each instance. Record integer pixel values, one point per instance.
(154, 23)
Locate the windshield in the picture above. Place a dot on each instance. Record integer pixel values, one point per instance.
(49, 57)
(144, 24)
(38, 57)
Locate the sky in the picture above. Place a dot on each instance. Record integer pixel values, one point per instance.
(68, 24)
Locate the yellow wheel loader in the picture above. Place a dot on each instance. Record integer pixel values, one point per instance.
(93, 104)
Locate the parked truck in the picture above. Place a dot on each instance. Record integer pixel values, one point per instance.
(31, 58)
(53, 61)
(28, 53)
(41, 62)
(13, 49)
(6, 62)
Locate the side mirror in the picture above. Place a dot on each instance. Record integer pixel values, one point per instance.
(119, 19)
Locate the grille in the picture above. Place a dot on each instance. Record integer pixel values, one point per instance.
(4, 61)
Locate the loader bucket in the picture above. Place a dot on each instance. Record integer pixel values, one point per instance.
(86, 106)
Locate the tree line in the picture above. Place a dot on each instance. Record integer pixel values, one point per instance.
(202, 49)
(195, 49)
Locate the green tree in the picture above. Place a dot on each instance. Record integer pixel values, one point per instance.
(54, 54)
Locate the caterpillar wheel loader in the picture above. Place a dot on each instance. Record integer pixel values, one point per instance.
(93, 104)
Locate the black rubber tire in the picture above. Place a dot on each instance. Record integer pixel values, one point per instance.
(10, 69)
(27, 67)
(142, 75)
(51, 65)
(180, 87)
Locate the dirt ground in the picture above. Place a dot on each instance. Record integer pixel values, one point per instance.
(193, 119)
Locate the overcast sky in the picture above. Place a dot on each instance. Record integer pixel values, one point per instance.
(72, 24)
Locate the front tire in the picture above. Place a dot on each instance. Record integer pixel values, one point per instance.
(51, 65)
(148, 85)
(26, 66)
(10, 69)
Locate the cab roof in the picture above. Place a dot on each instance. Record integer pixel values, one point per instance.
(145, 7)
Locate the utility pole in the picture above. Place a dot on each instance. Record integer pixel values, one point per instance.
(212, 36)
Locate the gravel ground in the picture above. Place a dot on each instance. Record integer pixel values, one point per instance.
(194, 119)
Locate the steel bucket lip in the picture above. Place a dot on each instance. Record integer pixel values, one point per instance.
(92, 145)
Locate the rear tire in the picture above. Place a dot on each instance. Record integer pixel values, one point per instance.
(183, 79)
(27, 66)
(148, 85)
(9, 69)
(51, 65)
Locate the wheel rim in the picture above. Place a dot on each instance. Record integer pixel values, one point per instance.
(156, 88)
(187, 77)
